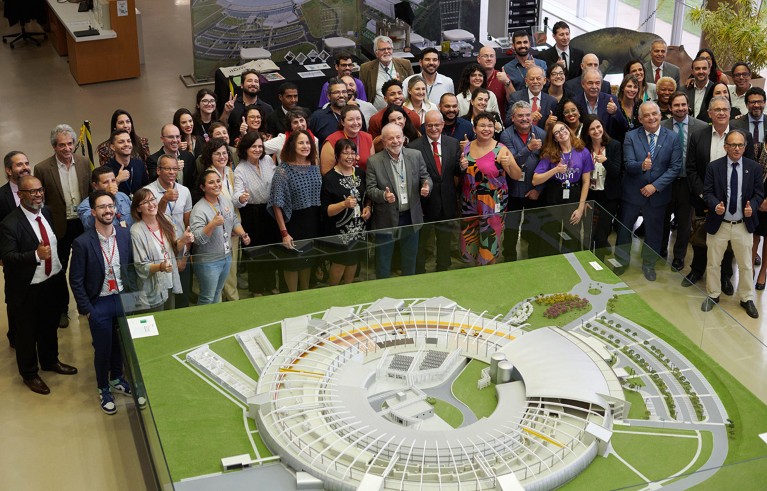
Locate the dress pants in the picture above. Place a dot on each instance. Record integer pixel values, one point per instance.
(108, 359)
(441, 232)
(407, 238)
(682, 209)
(37, 326)
(653, 222)
(64, 248)
(742, 241)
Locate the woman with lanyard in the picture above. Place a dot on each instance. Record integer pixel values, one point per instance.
(213, 223)
(206, 113)
(295, 202)
(158, 255)
(605, 182)
(252, 184)
(646, 89)
(350, 127)
(484, 192)
(565, 168)
(345, 209)
(417, 98)
(473, 77)
(628, 97)
(216, 157)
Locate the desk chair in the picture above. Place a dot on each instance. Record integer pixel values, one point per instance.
(22, 12)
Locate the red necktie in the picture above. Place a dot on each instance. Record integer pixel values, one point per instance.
(657, 75)
(437, 160)
(535, 103)
(46, 242)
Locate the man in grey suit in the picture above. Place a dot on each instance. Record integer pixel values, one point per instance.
(66, 179)
(658, 66)
(683, 125)
(652, 160)
(445, 164)
(397, 178)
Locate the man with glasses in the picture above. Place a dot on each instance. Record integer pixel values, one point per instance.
(741, 75)
(562, 53)
(251, 87)
(34, 276)
(436, 83)
(445, 164)
(707, 145)
(325, 121)
(103, 179)
(344, 67)
(100, 261)
(175, 200)
(130, 172)
(754, 120)
(497, 81)
(171, 139)
(542, 104)
(367, 109)
(385, 67)
(733, 191)
(65, 176)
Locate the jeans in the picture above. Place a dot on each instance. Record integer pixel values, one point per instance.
(108, 358)
(408, 243)
(212, 275)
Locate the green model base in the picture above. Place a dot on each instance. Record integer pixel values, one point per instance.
(198, 425)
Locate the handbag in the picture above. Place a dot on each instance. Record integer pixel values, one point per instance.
(698, 235)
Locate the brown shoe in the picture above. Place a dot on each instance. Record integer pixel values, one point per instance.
(61, 368)
(37, 385)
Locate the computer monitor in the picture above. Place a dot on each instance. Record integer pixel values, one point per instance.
(85, 5)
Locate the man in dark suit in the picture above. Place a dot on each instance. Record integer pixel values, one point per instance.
(130, 172)
(697, 92)
(385, 67)
(33, 276)
(445, 163)
(562, 53)
(288, 97)
(396, 181)
(574, 87)
(707, 145)
(66, 179)
(753, 123)
(733, 191)
(604, 106)
(542, 104)
(658, 67)
(100, 261)
(652, 160)
(683, 125)
(171, 138)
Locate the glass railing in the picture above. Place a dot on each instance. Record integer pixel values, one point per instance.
(672, 356)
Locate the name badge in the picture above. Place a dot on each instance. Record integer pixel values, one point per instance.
(112, 285)
(566, 193)
(403, 198)
(357, 213)
(123, 224)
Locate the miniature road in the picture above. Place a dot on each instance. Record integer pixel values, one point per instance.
(443, 391)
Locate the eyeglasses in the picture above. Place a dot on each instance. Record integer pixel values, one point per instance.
(741, 75)
(755, 103)
(105, 207)
(557, 74)
(720, 110)
(33, 192)
(346, 64)
(735, 145)
(435, 125)
(561, 131)
(148, 201)
(208, 102)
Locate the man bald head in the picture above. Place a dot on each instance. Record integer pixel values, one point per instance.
(590, 60)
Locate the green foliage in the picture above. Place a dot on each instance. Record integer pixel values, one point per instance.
(736, 31)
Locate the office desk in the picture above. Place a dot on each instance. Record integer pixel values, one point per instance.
(110, 55)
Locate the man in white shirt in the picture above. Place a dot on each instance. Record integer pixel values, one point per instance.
(436, 83)
(696, 93)
(658, 66)
(741, 75)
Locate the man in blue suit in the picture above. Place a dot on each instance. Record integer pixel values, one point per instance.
(652, 159)
(733, 192)
(541, 104)
(604, 106)
(100, 260)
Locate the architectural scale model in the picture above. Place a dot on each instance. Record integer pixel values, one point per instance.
(348, 399)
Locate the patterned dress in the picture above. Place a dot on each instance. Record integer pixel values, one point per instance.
(484, 193)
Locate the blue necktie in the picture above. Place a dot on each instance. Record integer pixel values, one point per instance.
(652, 145)
(733, 206)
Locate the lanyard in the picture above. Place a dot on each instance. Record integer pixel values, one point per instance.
(356, 140)
(160, 240)
(111, 256)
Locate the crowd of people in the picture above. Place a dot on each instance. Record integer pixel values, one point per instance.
(386, 152)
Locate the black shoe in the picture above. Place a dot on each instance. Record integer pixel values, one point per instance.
(709, 303)
(63, 321)
(37, 385)
(759, 286)
(664, 253)
(619, 270)
(677, 265)
(750, 309)
(758, 260)
(61, 368)
(691, 278)
(727, 287)
(649, 273)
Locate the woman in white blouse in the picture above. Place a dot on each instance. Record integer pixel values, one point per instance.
(473, 77)
(252, 184)
(417, 99)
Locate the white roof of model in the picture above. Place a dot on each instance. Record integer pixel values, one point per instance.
(386, 303)
(436, 302)
(566, 372)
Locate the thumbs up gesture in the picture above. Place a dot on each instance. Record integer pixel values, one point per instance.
(719, 208)
(611, 107)
(647, 163)
(243, 127)
(425, 189)
(747, 211)
(550, 120)
(218, 220)
(389, 196)
(188, 236)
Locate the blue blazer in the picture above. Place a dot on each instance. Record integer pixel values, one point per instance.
(86, 274)
(546, 104)
(715, 191)
(614, 124)
(666, 166)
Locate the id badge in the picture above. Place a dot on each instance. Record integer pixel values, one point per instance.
(123, 224)
(497, 207)
(566, 193)
(403, 198)
(112, 285)
(357, 213)
(227, 246)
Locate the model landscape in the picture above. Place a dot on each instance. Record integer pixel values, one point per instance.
(424, 393)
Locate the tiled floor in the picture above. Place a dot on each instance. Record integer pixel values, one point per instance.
(64, 441)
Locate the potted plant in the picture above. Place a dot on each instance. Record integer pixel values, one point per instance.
(736, 30)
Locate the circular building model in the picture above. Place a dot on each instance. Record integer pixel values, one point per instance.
(345, 399)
